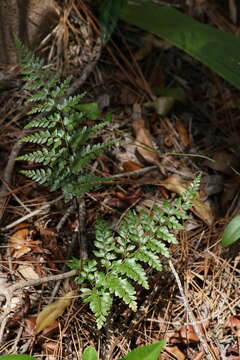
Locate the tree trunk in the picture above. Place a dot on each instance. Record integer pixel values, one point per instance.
(30, 20)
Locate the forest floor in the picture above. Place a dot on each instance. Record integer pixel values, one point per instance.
(200, 123)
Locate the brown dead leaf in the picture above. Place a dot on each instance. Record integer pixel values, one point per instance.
(183, 133)
(234, 351)
(201, 209)
(28, 272)
(234, 323)
(51, 347)
(19, 240)
(146, 48)
(168, 140)
(199, 356)
(52, 311)
(144, 143)
(122, 200)
(174, 183)
(188, 334)
(150, 41)
(130, 166)
(51, 330)
(223, 161)
(174, 351)
(163, 105)
(30, 323)
(117, 203)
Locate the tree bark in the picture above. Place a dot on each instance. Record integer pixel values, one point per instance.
(30, 20)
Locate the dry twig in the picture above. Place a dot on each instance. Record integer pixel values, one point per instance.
(8, 174)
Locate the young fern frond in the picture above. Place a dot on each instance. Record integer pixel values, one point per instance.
(190, 194)
(120, 256)
(62, 130)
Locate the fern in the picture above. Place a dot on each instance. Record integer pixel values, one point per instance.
(120, 256)
(62, 127)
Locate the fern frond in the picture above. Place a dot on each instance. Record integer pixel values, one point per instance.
(147, 256)
(123, 288)
(100, 304)
(60, 131)
(41, 176)
(78, 186)
(45, 107)
(158, 246)
(40, 137)
(130, 268)
(164, 233)
(48, 122)
(43, 156)
(58, 91)
(190, 194)
(70, 103)
(89, 153)
(39, 96)
(88, 269)
(174, 209)
(35, 85)
(85, 134)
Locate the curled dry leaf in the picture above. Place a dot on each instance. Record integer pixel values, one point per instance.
(199, 356)
(201, 209)
(146, 48)
(150, 41)
(52, 311)
(30, 324)
(28, 272)
(234, 323)
(174, 183)
(163, 105)
(131, 166)
(223, 162)
(51, 330)
(51, 347)
(144, 142)
(234, 351)
(183, 133)
(176, 352)
(19, 240)
(188, 334)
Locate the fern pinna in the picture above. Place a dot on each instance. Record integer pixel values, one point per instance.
(64, 129)
(119, 256)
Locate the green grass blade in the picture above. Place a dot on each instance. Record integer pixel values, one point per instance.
(147, 352)
(219, 50)
(231, 232)
(90, 354)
